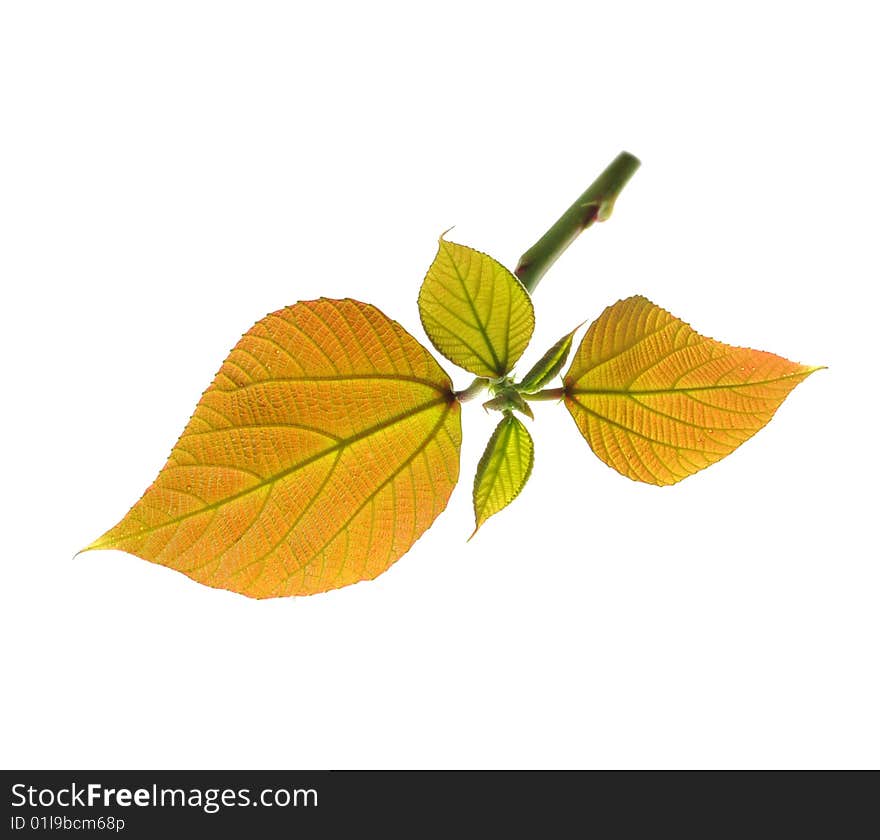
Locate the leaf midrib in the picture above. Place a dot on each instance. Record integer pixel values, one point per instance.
(498, 456)
(272, 480)
(625, 392)
(501, 369)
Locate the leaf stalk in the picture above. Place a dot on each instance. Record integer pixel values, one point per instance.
(473, 390)
(546, 394)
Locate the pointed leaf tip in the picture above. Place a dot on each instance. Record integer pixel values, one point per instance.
(659, 402)
(476, 313)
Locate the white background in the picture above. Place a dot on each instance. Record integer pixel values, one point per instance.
(173, 171)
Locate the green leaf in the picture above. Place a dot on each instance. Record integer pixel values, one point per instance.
(475, 311)
(548, 366)
(503, 470)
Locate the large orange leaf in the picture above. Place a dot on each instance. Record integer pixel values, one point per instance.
(325, 446)
(658, 402)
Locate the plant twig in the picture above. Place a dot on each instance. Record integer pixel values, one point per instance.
(594, 205)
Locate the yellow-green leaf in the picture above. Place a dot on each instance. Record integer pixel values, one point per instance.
(325, 446)
(658, 402)
(504, 468)
(475, 311)
(548, 366)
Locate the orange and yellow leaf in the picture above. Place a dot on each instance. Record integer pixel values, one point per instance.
(475, 311)
(658, 402)
(325, 446)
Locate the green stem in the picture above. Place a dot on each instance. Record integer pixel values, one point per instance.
(595, 205)
(473, 390)
(546, 394)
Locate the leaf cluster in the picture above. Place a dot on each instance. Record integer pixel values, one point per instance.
(329, 440)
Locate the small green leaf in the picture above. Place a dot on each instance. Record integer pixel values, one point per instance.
(503, 470)
(549, 365)
(475, 311)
